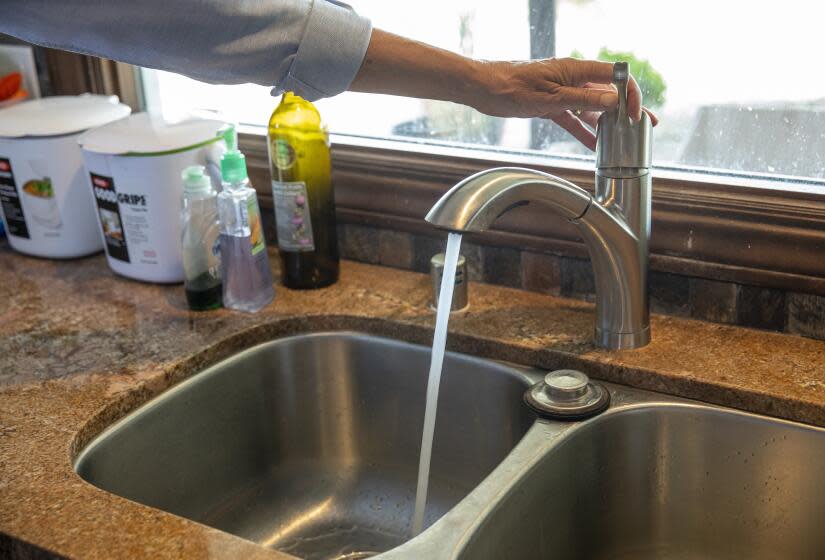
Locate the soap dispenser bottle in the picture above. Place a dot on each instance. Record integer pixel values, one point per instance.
(247, 279)
(199, 240)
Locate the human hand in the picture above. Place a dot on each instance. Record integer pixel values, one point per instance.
(570, 92)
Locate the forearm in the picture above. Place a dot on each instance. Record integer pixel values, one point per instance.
(395, 65)
(573, 93)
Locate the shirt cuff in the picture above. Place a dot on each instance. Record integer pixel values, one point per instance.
(330, 53)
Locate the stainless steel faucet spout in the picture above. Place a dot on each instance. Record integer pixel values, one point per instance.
(477, 201)
(618, 249)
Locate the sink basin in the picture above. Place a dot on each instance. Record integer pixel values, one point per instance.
(659, 480)
(310, 444)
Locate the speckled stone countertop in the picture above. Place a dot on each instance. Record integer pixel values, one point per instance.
(80, 347)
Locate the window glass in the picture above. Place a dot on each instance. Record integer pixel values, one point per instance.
(737, 84)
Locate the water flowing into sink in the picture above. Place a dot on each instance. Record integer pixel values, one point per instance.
(445, 300)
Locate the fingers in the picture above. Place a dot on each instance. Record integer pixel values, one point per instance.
(654, 120)
(585, 99)
(599, 99)
(583, 71)
(590, 118)
(590, 72)
(634, 99)
(574, 126)
(605, 87)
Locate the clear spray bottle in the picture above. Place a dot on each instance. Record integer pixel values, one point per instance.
(247, 279)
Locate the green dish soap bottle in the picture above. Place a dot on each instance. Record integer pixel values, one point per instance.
(200, 240)
(299, 161)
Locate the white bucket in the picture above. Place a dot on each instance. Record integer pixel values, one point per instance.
(46, 206)
(137, 192)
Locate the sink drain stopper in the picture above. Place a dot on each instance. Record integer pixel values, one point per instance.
(567, 394)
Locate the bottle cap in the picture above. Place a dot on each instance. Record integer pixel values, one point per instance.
(195, 180)
(233, 162)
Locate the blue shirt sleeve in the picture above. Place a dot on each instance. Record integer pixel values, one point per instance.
(312, 47)
(329, 54)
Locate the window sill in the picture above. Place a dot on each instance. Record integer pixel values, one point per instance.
(744, 230)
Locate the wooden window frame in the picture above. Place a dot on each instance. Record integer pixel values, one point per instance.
(709, 226)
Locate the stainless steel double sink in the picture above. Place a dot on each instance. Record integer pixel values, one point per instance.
(309, 445)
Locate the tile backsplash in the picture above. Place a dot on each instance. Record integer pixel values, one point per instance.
(671, 294)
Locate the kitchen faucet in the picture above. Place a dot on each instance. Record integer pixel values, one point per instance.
(614, 223)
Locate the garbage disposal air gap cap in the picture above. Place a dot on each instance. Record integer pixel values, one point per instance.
(60, 115)
(567, 394)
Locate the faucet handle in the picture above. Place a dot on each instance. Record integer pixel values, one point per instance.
(622, 144)
(620, 78)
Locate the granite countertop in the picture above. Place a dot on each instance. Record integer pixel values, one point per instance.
(81, 347)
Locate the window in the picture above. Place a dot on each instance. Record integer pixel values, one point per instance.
(737, 83)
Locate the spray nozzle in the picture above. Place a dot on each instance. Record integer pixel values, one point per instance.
(233, 162)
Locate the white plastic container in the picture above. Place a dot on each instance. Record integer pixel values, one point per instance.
(134, 170)
(45, 202)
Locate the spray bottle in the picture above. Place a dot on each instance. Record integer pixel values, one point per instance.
(247, 279)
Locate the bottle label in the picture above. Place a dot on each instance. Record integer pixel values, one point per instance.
(292, 216)
(284, 155)
(256, 233)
